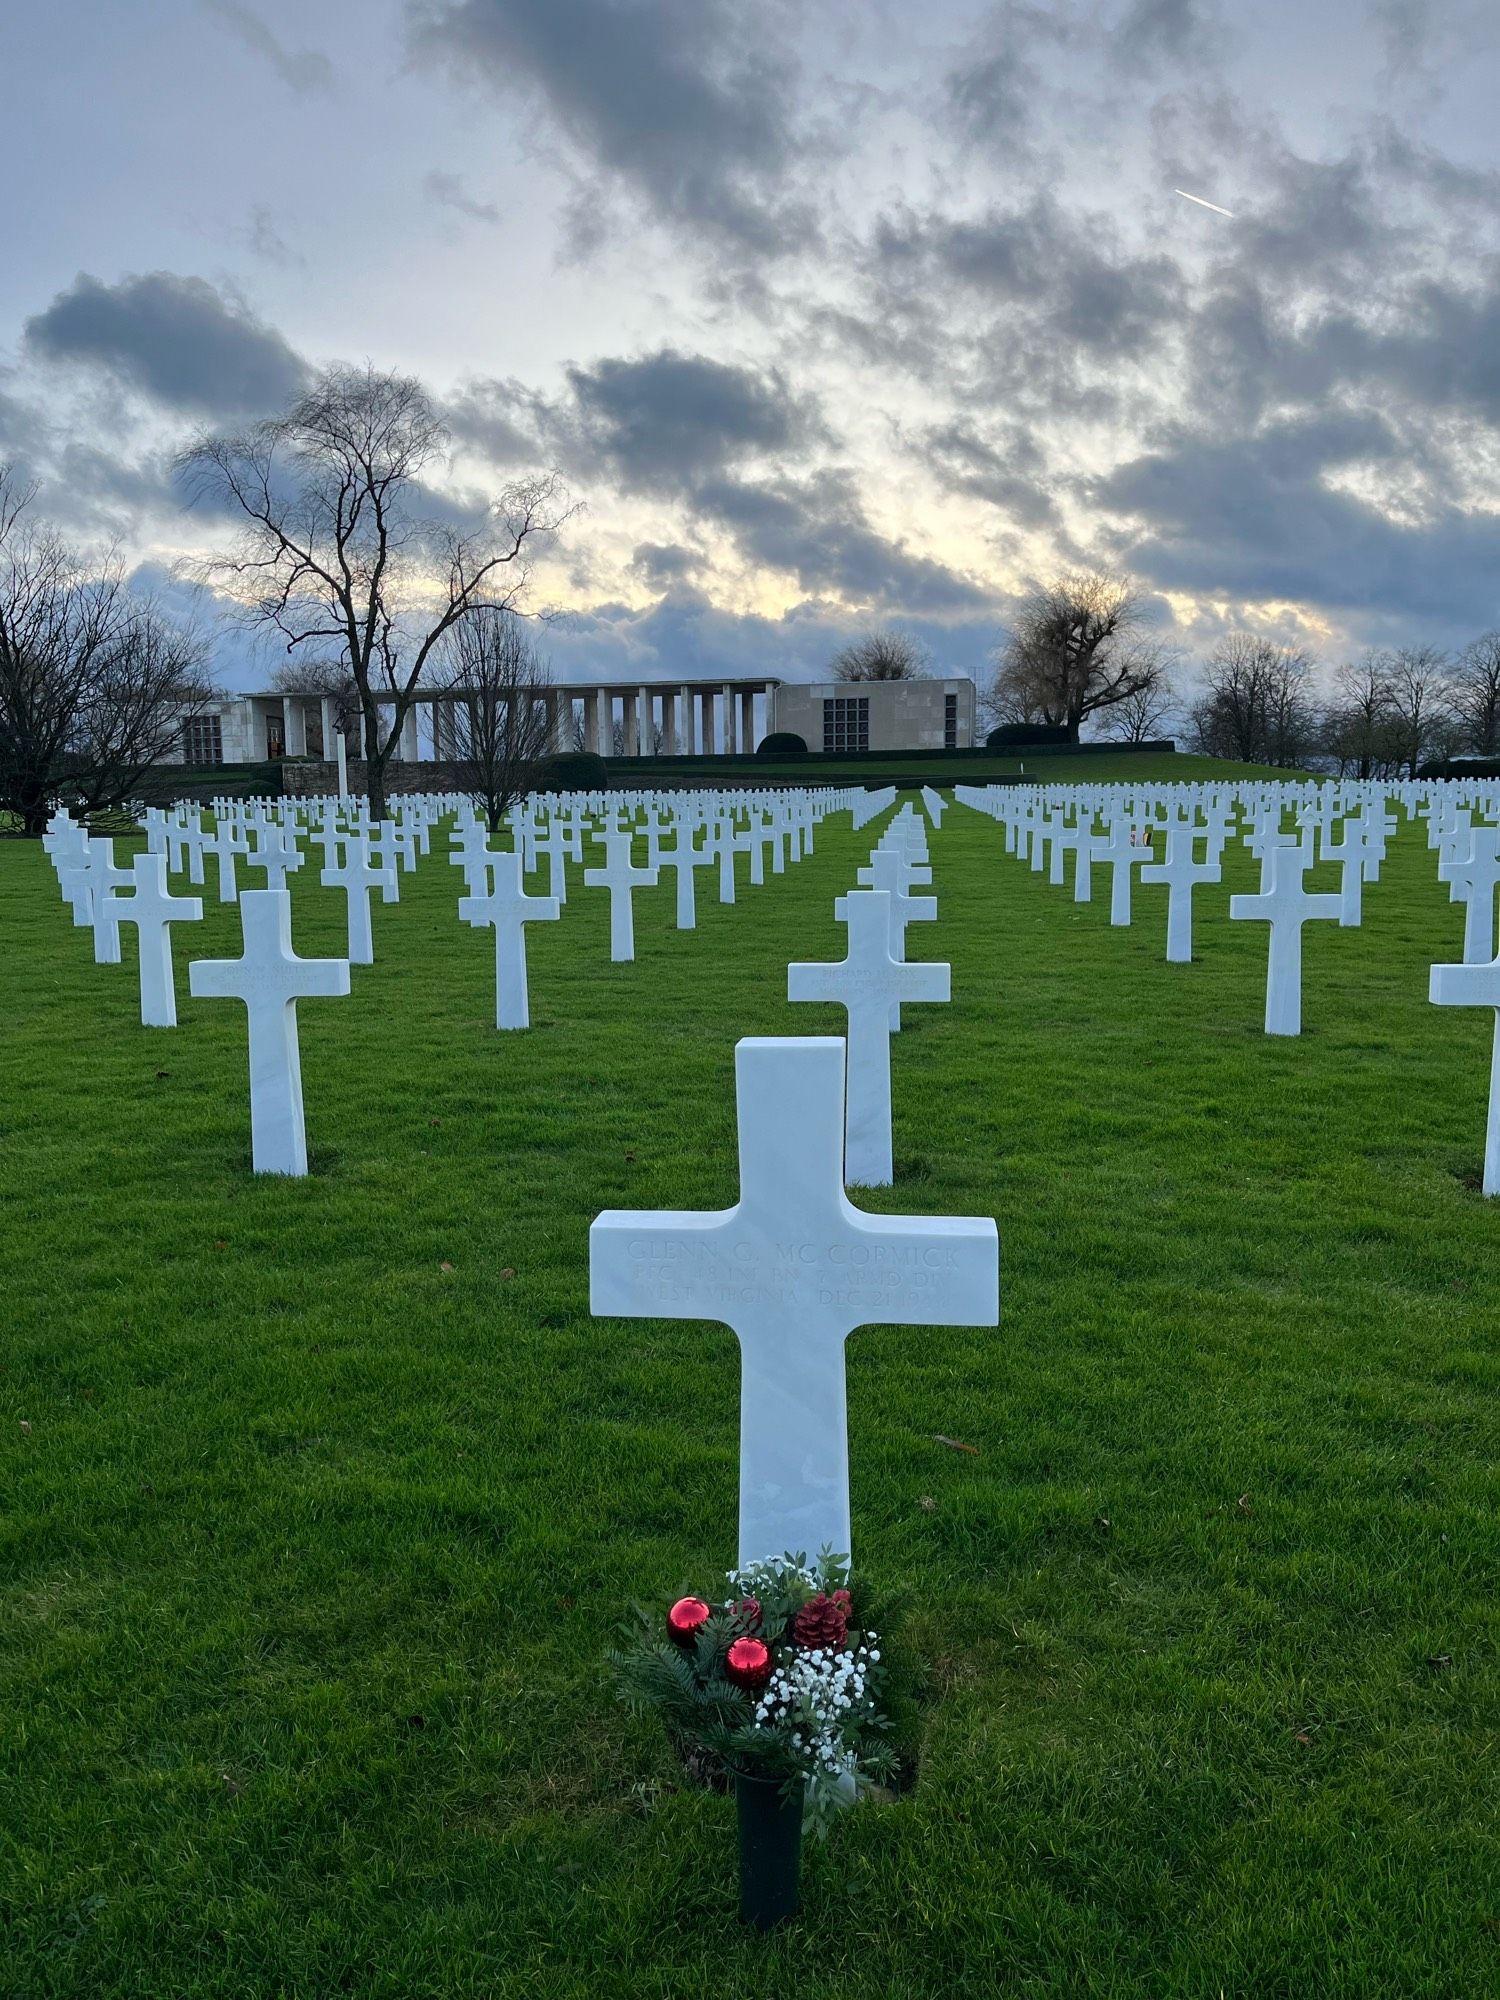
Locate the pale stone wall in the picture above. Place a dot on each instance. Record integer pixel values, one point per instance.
(904, 715)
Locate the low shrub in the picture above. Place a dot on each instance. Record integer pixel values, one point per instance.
(781, 743)
(571, 771)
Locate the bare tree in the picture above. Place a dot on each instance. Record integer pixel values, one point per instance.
(335, 548)
(1419, 700)
(885, 653)
(495, 710)
(97, 685)
(1359, 725)
(1076, 648)
(1139, 717)
(1256, 706)
(1473, 695)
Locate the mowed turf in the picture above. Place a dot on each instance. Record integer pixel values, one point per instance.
(322, 1500)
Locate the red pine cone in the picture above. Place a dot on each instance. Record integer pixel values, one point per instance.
(823, 1622)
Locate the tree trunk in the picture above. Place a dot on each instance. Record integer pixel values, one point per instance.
(34, 809)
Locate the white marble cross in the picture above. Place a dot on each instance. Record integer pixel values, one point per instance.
(277, 852)
(867, 983)
(794, 1268)
(622, 878)
(226, 843)
(1181, 871)
(686, 859)
(471, 852)
(895, 873)
(271, 979)
(1349, 853)
(1123, 851)
(508, 907)
(357, 875)
(1477, 986)
(103, 879)
(384, 842)
(1472, 877)
(555, 844)
(68, 846)
(152, 909)
(1286, 906)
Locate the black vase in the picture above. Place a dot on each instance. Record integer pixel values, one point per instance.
(770, 1849)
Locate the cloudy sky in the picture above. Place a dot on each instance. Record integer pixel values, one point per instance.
(828, 313)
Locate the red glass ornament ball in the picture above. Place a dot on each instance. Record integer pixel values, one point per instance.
(748, 1663)
(686, 1619)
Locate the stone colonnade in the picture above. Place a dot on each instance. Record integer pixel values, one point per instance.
(695, 718)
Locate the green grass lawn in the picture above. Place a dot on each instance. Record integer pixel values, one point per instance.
(320, 1501)
(979, 767)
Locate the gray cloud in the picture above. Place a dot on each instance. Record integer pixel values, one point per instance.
(686, 101)
(668, 420)
(1063, 273)
(662, 564)
(1008, 470)
(1252, 519)
(448, 191)
(265, 241)
(306, 71)
(1155, 34)
(190, 347)
(657, 424)
(685, 636)
(816, 530)
(995, 93)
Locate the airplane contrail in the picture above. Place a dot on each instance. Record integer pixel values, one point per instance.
(1204, 204)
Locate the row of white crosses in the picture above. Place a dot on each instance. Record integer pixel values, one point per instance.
(870, 982)
(496, 889)
(1190, 840)
(1469, 863)
(793, 1268)
(269, 978)
(1344, 823)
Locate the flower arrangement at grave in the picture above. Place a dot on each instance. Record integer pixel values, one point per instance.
(781, 1681)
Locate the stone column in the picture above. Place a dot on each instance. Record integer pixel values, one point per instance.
(747, 720)
(731, 732)
(645, 723)
(605, 744)
(408, 751)
(294, 725)
(591, 718)
(686, 740)
(552, 703)
(631, 715)
(325, 718)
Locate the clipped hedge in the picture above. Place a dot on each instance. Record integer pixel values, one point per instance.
(1460, 767)
(1021, 735)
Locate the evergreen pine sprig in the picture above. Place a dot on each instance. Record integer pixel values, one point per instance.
(812, 1717)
